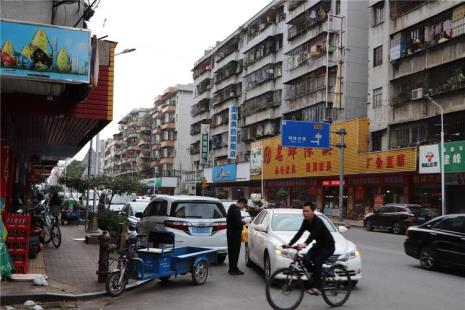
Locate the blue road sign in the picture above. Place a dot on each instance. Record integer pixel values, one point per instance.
(305, 134)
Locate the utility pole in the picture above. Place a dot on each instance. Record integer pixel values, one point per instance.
(341, 146)
(89, 162)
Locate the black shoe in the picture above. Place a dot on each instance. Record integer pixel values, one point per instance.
(235, 272)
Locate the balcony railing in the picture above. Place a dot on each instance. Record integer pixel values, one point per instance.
(200, 107)
(308, 20)
(232, 68)
(265, 101)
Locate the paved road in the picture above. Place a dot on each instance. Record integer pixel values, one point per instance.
(391, 280)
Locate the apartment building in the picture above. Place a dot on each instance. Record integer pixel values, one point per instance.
(294, 60)
(171, 121)
(132, 145)
(417, 48)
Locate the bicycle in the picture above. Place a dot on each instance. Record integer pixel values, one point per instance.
(287, 284)
(51, 228)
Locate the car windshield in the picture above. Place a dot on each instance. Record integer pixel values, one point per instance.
(418, 210)
(293, 221)
(197, 210)
(139, 206)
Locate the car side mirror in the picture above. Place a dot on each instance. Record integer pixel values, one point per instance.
(260, 227)
(342, 229)
(139, 215)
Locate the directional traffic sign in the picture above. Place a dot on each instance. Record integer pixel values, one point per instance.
(305, 134)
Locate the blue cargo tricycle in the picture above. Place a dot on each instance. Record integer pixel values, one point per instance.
(161, 261)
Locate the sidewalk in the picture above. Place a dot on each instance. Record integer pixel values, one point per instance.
(353, 223)
(71, 270)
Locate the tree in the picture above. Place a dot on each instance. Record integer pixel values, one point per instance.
(75, 169)
(78, 184)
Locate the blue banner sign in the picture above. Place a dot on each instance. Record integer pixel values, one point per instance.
(232, 133)
(224, 173)
(305, 134)
(45, 52)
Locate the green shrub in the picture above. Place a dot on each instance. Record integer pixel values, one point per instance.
(112, 222)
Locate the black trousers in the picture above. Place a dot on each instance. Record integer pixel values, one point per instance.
(234, 248)
(314, 260)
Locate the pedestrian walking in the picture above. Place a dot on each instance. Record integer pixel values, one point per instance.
(234, 231)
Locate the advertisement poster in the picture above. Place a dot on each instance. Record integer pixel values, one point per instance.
(45, 52)
(224, 173)
(379, 201)
(429, 161)
(256, 158)
(204, 143)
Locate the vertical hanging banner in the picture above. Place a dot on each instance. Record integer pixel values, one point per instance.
(232, 132)
(256, 158)
(204, 143)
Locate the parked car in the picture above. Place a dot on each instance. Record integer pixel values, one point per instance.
(397, 217)
(440, 241)
(130, 209)
(246, 218)
(275, 227)
(194, 220)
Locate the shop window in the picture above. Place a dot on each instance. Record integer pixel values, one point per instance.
(378, 56)
(377, 14)
(377, 97)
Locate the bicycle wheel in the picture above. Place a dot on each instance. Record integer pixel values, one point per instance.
(285, 289)
(336, 285)
(47, 234)
(55, 234)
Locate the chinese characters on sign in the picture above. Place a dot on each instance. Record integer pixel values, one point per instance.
(232, 133)
(305, 134)
(454, 157)
(204, 143)
(429, 159)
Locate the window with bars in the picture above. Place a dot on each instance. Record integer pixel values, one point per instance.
(378, 56)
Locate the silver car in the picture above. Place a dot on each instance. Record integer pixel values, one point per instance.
(194, 220)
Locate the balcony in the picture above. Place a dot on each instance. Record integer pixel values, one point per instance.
(227, 93)
(167, 143)
(168, 108)
(169, 125)
(200, 107)
(219, 141)
(227, 49)
(260, 130)
(262, 102)
(167, 160)
(230, 69)
(262, 75)
(263, 49)
(263, 23)
(308, 20)
(201, 69)
(203, 86)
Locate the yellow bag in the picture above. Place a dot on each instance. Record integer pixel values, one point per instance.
(245, 234)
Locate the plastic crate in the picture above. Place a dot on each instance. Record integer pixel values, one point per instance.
(17, 241)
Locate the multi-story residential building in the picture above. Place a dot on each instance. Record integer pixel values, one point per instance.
(417, 48)
(171, 121)
(134, 150)
(294, 60)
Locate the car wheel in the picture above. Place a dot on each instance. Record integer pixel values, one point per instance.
(397, 228)
(267, 266)
(220, 258)
(248, 262)
(428, 258)
(368, 226)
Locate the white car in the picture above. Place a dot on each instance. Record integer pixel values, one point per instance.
(195, 221)
(246, 218)
(275, 227)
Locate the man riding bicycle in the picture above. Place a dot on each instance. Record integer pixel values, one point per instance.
(321, 251)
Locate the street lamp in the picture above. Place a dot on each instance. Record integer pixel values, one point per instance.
(443, 191)
(128, 50)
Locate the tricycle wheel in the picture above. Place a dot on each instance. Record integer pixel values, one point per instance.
(164, 279)
(200, 273)
(112, 285)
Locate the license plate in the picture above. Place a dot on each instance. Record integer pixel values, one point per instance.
(201, 230)
(421, 218)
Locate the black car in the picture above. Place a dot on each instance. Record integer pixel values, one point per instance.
(398, 217)
(440, 241)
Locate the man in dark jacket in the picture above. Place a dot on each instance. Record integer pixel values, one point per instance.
(320, 251)
(234, 231)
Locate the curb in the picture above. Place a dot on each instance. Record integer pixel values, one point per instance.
(358, 225)
(15, 299)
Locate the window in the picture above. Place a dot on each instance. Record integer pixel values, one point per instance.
(197, 210)
(378, 56)
(378, 14)
(338, 7)
(260, 217)
(377, 97)
(376, 140)
(156, 208)
(455, 224)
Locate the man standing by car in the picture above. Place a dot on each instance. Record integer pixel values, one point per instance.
(323, 248)
(234, 231)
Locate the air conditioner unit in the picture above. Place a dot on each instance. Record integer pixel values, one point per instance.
(417, 93)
